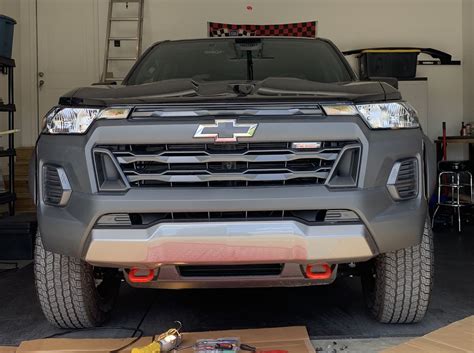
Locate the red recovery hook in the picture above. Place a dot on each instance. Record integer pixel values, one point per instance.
(135, 278)
(319, 275)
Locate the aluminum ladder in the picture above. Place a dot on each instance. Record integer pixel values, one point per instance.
(109, 73)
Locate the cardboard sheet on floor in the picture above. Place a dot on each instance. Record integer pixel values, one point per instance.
(7, 349)
(455, 338)
(291, 339)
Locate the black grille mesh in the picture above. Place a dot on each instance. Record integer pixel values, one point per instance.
(52, 189)
(407, 179)
(231, 270)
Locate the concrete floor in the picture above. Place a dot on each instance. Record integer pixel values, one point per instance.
(333, 313)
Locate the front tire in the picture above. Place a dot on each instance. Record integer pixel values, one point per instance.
(67, 290)
(398, 285)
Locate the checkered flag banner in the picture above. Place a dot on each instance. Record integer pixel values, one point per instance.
(300, 29)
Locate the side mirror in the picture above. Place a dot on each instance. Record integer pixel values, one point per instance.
(392, 81)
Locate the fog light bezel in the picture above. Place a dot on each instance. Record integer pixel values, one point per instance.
(119, 183)
(393, 179)
(65, 186)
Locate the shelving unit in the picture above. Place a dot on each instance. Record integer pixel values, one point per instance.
(7, 108)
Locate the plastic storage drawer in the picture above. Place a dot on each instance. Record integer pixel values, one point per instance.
(6, 36)
(400, 64)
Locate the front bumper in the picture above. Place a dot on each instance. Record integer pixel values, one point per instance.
(386, 224)
(389, 225)
(221, 243)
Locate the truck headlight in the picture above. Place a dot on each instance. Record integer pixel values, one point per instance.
(397, 115)
(389, 115)
(64, 120)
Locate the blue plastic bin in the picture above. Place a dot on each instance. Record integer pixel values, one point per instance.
(6, 36)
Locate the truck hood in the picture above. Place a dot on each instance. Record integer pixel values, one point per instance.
(188, 91)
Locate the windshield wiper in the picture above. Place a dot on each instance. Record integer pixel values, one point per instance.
(249, 66)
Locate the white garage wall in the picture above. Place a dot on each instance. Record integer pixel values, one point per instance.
(349, 23)
(468, 42)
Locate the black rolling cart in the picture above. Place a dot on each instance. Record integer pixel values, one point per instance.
(7, 110)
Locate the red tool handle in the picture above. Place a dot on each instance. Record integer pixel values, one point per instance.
(445, 143)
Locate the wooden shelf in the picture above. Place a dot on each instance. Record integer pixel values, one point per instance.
(7, 197)
(413, 79)
(6, 62)
(439, 63)
(456, 139)
(7, 108)
(7, 153)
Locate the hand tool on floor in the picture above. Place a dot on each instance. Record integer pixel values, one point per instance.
(222, 345)
(164, 343)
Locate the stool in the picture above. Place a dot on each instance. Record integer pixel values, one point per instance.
(454, 176)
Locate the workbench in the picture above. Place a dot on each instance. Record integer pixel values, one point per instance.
(469, 140)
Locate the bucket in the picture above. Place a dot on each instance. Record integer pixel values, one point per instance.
(6, 36)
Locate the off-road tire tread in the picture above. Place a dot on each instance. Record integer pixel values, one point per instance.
(403, 282)
(66, 290)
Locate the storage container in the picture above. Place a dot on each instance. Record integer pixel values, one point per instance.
(6, 36)
(397, 63)
(17, 237)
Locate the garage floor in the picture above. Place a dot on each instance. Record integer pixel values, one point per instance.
(333, 312)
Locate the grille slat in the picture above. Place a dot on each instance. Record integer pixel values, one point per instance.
(188, 157)
(255, 175)
(226, 165)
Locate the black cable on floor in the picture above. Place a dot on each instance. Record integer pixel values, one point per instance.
(64, 333)
(129, 343)
(137, 329)
(5, 270)
(134, 329)
(145, 314)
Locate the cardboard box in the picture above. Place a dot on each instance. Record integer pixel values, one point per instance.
(291, 339)
(455, 338)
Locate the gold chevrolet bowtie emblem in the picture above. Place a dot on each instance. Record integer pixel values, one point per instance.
(225, 130)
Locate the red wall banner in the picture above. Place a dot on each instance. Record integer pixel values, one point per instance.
(300, 29)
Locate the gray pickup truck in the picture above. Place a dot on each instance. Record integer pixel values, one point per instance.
(233, 162)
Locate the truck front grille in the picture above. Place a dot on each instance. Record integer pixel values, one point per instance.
(225, 165)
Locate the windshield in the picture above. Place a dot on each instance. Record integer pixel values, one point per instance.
(241, 59)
